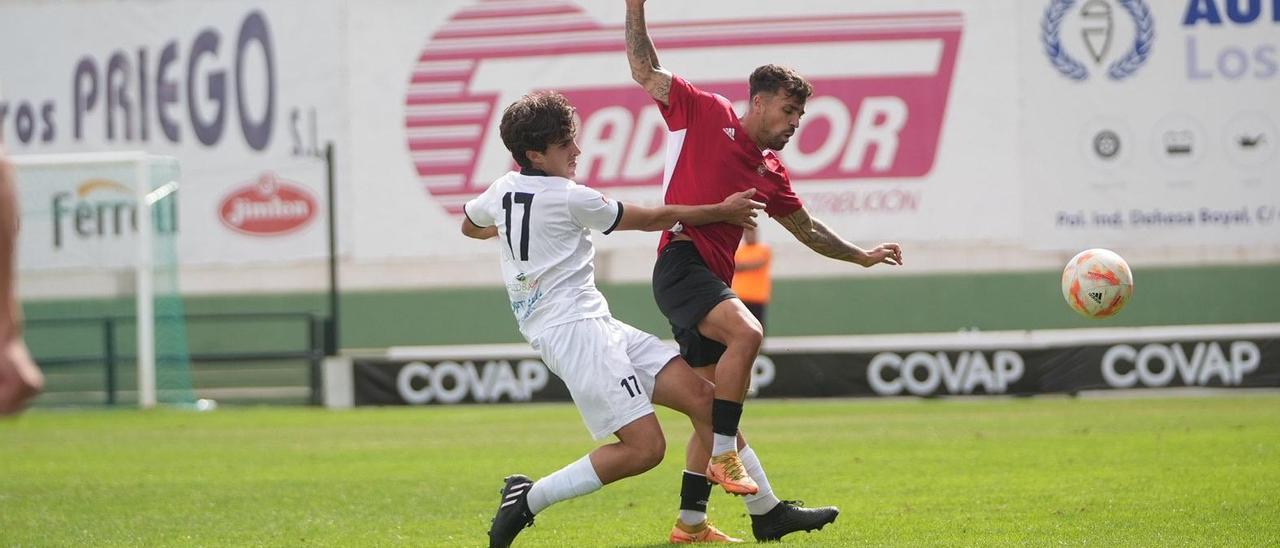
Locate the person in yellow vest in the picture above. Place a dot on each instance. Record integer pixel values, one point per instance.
(751, 275)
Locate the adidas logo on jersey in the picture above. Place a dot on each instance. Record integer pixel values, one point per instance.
(729, 131)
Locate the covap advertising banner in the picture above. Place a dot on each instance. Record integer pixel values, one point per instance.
(1031, 362)
(1150, 123)
(242, 94)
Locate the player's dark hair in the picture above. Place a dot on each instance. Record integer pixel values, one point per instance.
(536, 121)
(775, 78)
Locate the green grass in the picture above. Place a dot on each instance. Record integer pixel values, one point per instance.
(905, 472)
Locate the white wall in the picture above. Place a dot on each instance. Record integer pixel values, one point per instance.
(992, 166)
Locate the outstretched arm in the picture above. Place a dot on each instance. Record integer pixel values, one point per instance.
(738, 209)
(20, 378)
(10, 315)
(645, 69)
(818, 237)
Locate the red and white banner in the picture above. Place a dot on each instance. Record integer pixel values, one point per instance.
(882, 85)
(268, 206)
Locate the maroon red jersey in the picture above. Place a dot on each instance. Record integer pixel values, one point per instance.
(709, 157)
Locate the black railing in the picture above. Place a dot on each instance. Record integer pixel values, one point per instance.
(110, 356)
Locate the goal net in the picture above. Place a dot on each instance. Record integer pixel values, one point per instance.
(113, 216)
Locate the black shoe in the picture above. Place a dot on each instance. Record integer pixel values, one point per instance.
(513, 512)
(790, 516)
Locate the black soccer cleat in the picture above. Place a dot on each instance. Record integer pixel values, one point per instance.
(788, 517)
(513, 512)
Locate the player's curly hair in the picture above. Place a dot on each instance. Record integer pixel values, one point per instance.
(775, 78)
(536, 121)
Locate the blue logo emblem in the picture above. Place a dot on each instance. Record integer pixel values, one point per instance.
(1096, 33)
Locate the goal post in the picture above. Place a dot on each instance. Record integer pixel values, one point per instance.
(114, 213)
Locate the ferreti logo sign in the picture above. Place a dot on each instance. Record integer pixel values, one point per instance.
(868, 118)
(104, 210)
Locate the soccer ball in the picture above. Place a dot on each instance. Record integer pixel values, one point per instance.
(1097, 283)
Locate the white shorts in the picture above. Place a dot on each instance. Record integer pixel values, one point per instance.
(609, 367)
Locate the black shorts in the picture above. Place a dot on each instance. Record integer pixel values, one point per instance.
(686, 291)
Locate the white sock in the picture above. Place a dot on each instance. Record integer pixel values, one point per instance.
(692, 517)
(764, 499)
(723, 444)
(574, 480)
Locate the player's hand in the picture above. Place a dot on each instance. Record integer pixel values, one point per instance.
(887, 253)
(739, 209)
(20, 378)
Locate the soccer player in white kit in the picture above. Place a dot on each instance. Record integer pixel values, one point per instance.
(615, 373)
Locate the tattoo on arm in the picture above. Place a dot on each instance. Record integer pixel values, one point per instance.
(640, 52)
(642, 56)
(817, 236)
(660, 89)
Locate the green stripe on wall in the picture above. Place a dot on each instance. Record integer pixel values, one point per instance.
(880, 304)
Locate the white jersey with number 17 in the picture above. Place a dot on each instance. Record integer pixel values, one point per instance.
(544, 235)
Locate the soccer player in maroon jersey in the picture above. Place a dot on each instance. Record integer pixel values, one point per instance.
(721, 153)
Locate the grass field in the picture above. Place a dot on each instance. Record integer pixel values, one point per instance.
(1037, 471)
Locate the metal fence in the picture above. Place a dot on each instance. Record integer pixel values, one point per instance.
(234, 357)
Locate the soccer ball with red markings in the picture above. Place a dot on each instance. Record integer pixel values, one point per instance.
(1097, 283)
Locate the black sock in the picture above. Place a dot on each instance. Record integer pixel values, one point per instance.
(725, 416)
(694, 492)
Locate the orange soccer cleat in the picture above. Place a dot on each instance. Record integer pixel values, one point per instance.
(727, 471)
(703, 532)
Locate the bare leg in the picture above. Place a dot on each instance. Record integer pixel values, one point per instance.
(733, 325)
(771, 519)
(695, 455)
(688, 391)
(699, 449)
(640, 447)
